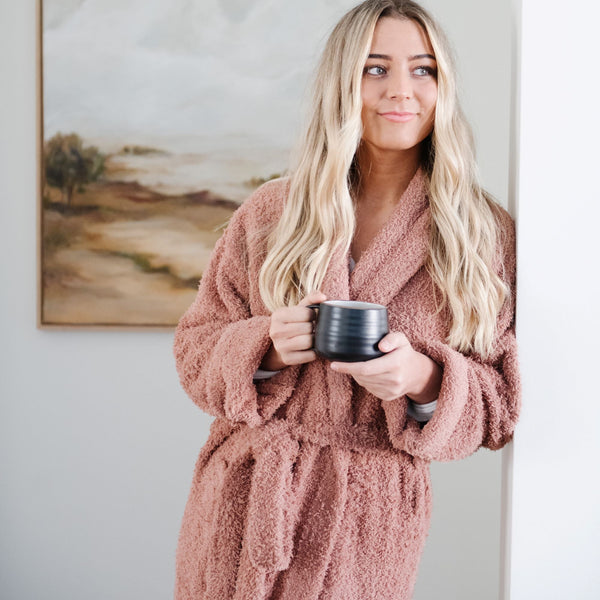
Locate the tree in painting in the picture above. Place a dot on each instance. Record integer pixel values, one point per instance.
(70, 164)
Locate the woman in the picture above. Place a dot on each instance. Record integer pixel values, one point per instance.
(314, 482)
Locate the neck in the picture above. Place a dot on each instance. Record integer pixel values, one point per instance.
(384, 175)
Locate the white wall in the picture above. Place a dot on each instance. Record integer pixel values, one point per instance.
(97, 441)
(556, 485)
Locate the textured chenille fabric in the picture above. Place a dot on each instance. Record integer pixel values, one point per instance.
(309, 487)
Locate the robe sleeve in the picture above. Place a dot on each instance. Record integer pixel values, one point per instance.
(479, 400)
(219, 344)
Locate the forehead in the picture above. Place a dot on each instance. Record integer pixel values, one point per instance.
(394, 36)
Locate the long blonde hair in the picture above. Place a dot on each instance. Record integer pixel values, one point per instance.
(318, 217)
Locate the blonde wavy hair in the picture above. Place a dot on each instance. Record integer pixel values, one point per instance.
(318, 217)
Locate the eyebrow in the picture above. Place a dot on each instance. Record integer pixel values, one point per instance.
(415, 57)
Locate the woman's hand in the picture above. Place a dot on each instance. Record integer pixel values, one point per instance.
(291, 334)
(401, 371)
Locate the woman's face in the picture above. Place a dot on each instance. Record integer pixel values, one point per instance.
(399, 86)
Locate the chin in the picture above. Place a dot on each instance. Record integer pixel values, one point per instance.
(395, 143)
(397, 146)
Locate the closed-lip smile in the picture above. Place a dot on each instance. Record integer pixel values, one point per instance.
(397, 117)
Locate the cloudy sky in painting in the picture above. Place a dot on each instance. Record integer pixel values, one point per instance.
(176, 71)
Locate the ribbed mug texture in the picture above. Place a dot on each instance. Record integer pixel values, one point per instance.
(349, 331)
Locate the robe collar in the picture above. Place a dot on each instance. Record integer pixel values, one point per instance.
(392, 257)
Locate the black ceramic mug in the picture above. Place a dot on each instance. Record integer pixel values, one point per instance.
(349, 331)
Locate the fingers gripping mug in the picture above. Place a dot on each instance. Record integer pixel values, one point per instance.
(349, 331)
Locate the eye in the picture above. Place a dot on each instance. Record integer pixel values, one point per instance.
(424, 71)
(375, 70)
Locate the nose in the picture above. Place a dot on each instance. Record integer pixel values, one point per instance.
(400, 86)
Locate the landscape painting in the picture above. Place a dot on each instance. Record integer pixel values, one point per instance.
(159, 117)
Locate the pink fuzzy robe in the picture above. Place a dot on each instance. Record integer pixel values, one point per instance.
(309, 487)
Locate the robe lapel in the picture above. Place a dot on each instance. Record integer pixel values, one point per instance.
(398, 251)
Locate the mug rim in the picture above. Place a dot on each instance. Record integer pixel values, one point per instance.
(354, 304)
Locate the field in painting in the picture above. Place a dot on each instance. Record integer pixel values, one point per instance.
(123, 253)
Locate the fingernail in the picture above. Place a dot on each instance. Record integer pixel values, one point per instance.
(334, 366)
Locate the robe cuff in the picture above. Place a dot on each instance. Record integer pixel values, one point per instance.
(239, 353)
(456, 427)
(431, 442)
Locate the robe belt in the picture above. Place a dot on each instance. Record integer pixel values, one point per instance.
(273, 505)
(272, 510)
(357, 438)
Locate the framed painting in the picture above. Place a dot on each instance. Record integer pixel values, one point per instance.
(157, 119)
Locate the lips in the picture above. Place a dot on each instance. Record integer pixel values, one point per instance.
(398, 117)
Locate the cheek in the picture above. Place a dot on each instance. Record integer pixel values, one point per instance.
(431, 99)
(369, 95)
